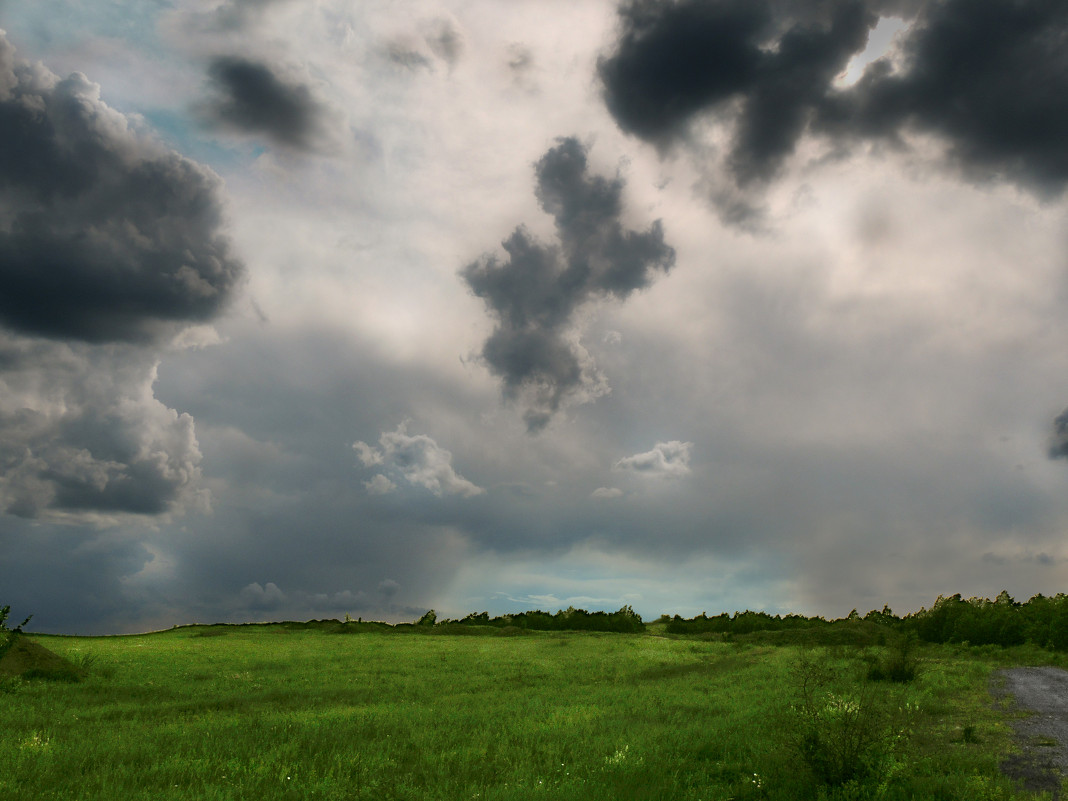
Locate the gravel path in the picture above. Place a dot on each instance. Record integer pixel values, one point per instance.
(1042, 735)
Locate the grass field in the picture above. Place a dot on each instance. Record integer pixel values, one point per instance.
(270, 712)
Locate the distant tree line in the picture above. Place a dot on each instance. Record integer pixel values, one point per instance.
(1042, 621)
(570, 619)
(745, 622)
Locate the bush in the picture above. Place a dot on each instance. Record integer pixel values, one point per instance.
(845, 732)
(898, 665)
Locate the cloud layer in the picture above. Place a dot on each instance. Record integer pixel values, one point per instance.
(535, 293)
(867, 381)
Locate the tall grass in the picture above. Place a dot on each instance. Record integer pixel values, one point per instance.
(269, 713)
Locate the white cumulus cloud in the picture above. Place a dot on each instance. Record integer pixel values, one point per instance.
(666, 459)
(417, 459)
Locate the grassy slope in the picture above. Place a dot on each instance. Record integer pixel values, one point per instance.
(267, 713)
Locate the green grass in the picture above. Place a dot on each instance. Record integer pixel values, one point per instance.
(274, 713)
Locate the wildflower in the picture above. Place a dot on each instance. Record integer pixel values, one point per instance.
(35, 741)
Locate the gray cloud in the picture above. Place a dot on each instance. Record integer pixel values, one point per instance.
(232, 16)
(444, 40)
(253, 99)
(989, 77)
(271, 601)
(666, 459)
(81, 432)
(378, 484)
(520, 58)
(53, 575)
(109, 245)
(418, 460)
(437, 39)
(262, 596)
(535, 293)
(406, 54)
(104, 235)
(1058, 444)
(675, 61)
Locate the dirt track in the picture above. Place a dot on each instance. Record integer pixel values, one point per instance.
(1042, 735)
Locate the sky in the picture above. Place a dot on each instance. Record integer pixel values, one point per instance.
(321, 308)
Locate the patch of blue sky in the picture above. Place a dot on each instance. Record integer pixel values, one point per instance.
(880, 41)
(44, 25)
(187, 137)
(596, 580)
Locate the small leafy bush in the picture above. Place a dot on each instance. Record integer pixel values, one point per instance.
(85, 664)
(846, 733)
(899, 665)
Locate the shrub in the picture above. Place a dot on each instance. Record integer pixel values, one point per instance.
(845, 732)
(898, 665)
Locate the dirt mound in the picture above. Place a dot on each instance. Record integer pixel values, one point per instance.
(26, 659)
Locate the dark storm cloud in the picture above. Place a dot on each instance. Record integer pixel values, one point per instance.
(1058, 444)
(536, 291)
(253, 99)
(677, 60)
(109, 244)
(104, 235)
(990, 77)
(70, 584)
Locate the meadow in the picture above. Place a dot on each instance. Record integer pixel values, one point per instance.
(292, 712)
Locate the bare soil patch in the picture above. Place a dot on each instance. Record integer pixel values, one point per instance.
(1041, 693)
